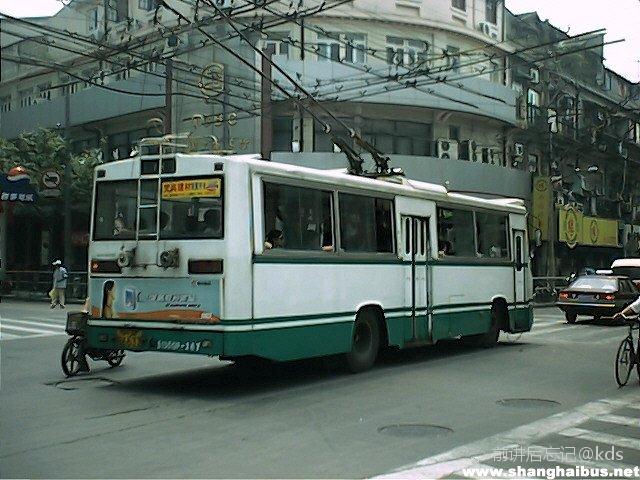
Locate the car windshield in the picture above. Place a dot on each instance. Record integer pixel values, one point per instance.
(592, 283)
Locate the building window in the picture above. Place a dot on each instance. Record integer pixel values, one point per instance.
(282, 134)
(454, 132)
(395, 137)
(456, 236)
(459, 4)
(112, 14)
(404, 51)
(491, 10)
(146, 5)
(279, 41)
(453, 58)
(342, 47)
(297, 218)
(5, 104)
(92, 19)
(366, 224)
(44, 91)
(26, 98)
(533, 105)
(122, 145)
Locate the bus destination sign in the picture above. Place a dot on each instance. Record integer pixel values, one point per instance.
(201, 187)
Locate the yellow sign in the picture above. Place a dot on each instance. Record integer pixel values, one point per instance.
(541, 207)
(599, 232)
(577, 229)
(201, 187)
(129, 338)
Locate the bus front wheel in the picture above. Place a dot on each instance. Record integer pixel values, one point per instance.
(365, 343)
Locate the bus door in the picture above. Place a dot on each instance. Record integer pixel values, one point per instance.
(520, 265)
(415, 248)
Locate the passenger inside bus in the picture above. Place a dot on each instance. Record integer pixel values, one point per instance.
(275, 239)
(212, 223)
(444, 248)
(121, 227)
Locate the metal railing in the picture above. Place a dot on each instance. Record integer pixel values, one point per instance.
(545, 289)
(36, 284)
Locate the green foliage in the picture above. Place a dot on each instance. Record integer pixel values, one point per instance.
(44, 150)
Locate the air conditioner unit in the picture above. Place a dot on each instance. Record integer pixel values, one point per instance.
(518, 149)
(177, 41)
(534, 75)
(467, 150)
(447, 149)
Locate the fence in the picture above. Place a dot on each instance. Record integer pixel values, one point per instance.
(545, 289)
(36, 284)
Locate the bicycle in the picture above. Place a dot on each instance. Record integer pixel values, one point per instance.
(73, 359)
(628, 355)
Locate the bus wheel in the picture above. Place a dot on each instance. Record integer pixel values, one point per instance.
(365, 343)
(489, 338)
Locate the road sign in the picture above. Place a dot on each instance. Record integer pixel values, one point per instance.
(51, 179)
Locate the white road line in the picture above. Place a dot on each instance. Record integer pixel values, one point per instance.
(634, 405)
(453, 460)
(8, 336)
(609, 439)
(27, 329)
(27, 322)
(619, 420)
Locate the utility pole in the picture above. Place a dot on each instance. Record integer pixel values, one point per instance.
(266, 129)
(68, 253)
(105, 20)
(168, 93)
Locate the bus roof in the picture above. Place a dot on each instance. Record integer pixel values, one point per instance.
(626, 262)
(340, 177)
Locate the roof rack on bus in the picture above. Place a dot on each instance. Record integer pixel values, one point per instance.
(355, 160)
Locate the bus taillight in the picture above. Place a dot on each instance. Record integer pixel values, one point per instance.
(205, 266)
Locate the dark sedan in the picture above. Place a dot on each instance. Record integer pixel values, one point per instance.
(596, 296)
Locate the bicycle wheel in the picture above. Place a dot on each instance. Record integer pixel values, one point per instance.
(70, 359)
(115, 357)
(625, 359)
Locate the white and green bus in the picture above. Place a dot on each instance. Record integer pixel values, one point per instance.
(234, 256)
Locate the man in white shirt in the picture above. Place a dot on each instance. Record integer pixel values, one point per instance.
(631, 310)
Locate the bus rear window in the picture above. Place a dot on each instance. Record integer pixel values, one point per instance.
(191, 208)
(115, 210)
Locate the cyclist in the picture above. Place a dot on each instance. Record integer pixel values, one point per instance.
(630, 310)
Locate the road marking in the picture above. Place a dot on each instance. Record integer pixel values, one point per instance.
(8, 336)
(609, 439)
(448, 462)
(620, 420)
(27, 322)
(26, 329)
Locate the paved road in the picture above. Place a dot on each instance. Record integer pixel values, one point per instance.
(426, 412)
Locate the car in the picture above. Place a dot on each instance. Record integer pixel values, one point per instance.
(596, 296)
(628, 267)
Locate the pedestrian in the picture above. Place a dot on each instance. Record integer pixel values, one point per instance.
(57, 292)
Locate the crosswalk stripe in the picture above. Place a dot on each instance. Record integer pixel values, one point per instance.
(609, 439)
(7, 336)
(27, 322)
(620, 420)
(27, 329)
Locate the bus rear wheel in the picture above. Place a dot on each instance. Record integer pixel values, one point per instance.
(489, 338)
(364, 344)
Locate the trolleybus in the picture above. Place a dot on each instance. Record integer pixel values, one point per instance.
(234, 256)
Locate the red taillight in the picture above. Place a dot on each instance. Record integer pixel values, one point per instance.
(563, 295)
(105, 266)
(609, 296)
(205, 266)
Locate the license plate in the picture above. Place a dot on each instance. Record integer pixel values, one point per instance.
(129, 338)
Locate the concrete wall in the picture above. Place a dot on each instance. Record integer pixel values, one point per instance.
(461, 175)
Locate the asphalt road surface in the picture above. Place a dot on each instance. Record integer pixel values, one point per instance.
(541, 399)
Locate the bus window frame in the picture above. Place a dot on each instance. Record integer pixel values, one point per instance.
(95, 209)
(504, 261)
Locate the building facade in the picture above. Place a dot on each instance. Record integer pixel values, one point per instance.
(435, 84)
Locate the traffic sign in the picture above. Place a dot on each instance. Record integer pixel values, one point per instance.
(51, 179)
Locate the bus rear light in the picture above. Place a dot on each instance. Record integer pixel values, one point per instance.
(563, 295)
(105, 266)
(205, 266)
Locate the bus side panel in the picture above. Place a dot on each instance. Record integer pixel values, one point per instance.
(462, 296)
(307, 308)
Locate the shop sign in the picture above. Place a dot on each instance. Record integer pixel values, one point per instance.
(16, 187)
(570, 226)
(541, 207)
(578, 229)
